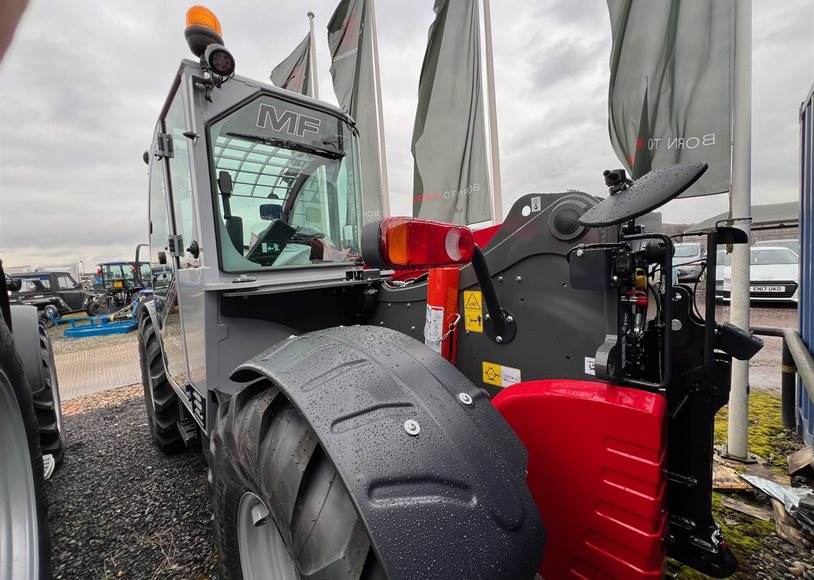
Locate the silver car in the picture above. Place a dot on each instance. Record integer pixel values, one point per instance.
(793, 245)
(774, 275)
(689, 259)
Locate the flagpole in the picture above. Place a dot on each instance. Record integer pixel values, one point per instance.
(740, 211)
(312, 56)
(497, 195)
(380, 111)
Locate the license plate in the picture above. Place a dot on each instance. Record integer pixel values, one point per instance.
(767, 289)
(117, 283)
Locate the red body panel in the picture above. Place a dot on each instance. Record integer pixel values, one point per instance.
(484, 236)
(596, 459)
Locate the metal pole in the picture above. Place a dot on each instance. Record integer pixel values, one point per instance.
(737, 443)
(374, 37)
(313, 58)
(497, 194)
(788, 374)
(788, 386)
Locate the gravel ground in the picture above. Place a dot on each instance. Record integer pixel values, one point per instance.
(779, 559)
(119, 508)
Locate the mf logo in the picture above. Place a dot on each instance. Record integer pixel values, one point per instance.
(287, 121)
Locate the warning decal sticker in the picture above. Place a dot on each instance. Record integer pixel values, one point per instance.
(473, 311)
(500, 375)
(434, 329)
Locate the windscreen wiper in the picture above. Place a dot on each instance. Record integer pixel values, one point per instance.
(286, 144)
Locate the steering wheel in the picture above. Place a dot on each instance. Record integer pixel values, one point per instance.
(270, 243)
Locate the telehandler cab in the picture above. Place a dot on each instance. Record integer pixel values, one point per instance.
(410, 399)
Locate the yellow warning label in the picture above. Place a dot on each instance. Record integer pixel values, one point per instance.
(473, 311)
(491, 374)
(500, 375)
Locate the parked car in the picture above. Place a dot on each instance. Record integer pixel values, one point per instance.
(774, 275)
(793, 245)
(54, 293)
(689, 259)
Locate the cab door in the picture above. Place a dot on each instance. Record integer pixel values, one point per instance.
(184, 334)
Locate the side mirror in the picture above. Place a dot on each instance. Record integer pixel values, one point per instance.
(271, 211)
(137, 268)
(403, 243)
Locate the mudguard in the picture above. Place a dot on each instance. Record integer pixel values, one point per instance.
(26, 325)
(437, 476)
(596, 469)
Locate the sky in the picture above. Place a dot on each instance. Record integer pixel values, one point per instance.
(83, 82)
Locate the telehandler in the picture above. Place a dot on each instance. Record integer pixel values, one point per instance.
(408, 399)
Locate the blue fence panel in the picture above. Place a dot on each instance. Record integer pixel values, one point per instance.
(805, 406)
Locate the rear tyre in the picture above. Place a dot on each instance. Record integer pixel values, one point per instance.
(47, 402)
(25, 550)
(163, 411)
(281, 509)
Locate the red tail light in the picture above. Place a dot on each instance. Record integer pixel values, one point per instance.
(406, 243)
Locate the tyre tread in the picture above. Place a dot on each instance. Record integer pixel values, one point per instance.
(160, 400)
(262, 444)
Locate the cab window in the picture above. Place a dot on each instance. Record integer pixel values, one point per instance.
(65, 282)
(294, 183)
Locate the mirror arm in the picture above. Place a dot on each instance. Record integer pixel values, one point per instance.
(137, 273)
(720, 235)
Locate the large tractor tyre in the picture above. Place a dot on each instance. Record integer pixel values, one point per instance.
(358, 454)
(314, 530)
(48, 404)
(161, 401)
(36, 351)
(25, 550)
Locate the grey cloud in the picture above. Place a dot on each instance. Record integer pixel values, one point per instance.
(83, 82)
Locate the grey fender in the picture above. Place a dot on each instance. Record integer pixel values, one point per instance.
(147, 308)
(25, 322)
(447, 499)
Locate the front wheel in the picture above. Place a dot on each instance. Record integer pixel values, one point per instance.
(281, 509)
(160, 400)
(47, 402)
(48, 315)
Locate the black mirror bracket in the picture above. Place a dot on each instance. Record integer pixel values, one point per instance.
(499, 324)
(720, 235)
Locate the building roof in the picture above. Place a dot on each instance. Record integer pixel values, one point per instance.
(764, 217)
